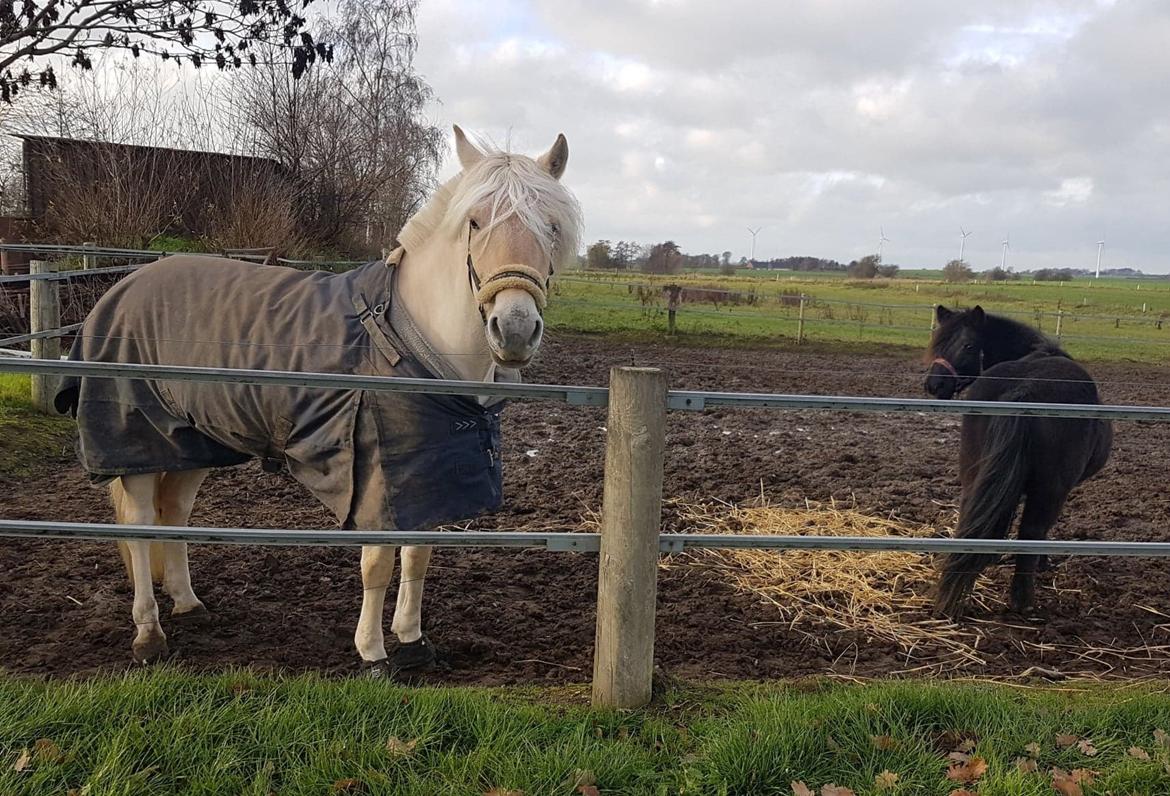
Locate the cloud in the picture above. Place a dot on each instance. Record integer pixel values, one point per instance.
(823, 120)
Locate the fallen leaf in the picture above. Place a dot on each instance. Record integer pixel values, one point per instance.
(400, 748)
(45, 751)
(1087, 748)
(884, 742)
(800, 789)
(502, 792)
(1065, 784)
(588, 790)
(22, 760)
(582, 778)
(348, 786)
(885, 780)
(1033, 749)
(959, 757)
(1162, 738)
(1069, 784)
(968, 772)
(836, 790)
(1138, 752)
(1027, 765)
(1065, 741)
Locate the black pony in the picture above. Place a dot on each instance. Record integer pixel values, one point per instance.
(1004, 459)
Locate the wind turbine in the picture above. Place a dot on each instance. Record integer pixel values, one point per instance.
(882, 241)
(1100, 246)
(962, 242)
(1003, 257)
(756, 231)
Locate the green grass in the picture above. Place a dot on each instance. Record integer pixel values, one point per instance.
(165, 731)
(1109, 319)
(29, 441)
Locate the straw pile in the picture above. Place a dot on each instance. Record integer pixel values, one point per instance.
(880, 595)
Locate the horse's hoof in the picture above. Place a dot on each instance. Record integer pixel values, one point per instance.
(378, 670)
(417, 655)
(199, 615)
(150, 648)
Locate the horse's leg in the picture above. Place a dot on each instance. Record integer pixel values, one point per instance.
(174, 500)
(377, 571)
(1041, 510)
(413, 648)
(134, 505)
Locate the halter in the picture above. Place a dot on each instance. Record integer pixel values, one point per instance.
(514, 276)
(947, 365)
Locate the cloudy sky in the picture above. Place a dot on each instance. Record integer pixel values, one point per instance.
(822, 121)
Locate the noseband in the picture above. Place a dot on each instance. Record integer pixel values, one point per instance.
(514, 276)
(950, 368)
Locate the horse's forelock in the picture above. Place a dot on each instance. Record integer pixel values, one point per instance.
(514, 186)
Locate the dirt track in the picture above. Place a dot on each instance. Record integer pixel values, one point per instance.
(526, 616)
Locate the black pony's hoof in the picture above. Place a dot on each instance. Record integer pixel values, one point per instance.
(415, 656)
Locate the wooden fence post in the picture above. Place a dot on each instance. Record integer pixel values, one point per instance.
(933, 316)
(800, 322)
(673, 299)
(88, 261)
(1059, 322)
(44, 313)
(631, 519)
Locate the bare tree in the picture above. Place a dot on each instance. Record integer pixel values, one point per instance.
(352, 135)
(34, 33)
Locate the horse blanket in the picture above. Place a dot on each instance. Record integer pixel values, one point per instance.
(388, 460)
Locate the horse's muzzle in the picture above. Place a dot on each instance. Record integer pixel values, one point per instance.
(943, 382)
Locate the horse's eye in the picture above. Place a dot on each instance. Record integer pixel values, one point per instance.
(556, 229)
(969, 347)
(474, 223)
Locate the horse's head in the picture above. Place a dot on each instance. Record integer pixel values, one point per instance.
(520, 225)
(956, 351)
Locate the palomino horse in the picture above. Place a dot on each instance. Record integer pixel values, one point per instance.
(462, 298)
(1005, 459)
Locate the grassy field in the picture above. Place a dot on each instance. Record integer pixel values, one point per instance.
(1108, 319)
(168, 732)
(28, 440)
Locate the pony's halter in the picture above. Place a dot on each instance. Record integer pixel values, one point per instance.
(514, 276)
(947, 365)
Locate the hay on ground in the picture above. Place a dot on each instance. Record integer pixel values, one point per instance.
(883, 595)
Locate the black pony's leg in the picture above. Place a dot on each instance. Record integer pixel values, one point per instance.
(1041, 510)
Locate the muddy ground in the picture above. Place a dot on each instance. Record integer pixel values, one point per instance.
(526, 616)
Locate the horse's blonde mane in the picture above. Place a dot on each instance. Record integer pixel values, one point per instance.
(514, 186)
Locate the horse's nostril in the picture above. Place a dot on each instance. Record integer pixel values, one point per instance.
(494, 330)
(537, 331)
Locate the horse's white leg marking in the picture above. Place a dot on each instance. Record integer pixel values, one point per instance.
(377, 571)
(135, 506)
(174, 501)
(407, 624)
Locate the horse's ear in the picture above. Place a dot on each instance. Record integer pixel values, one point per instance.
(468, 152)
(557, 157)
(977, 316)
(941, 313)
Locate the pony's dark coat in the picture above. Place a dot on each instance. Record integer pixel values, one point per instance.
(1003, 460)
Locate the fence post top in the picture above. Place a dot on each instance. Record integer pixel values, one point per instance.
(635, 370)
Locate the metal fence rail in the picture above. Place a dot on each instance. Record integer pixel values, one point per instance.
(69, 250)
(565, 542)
(684, 400)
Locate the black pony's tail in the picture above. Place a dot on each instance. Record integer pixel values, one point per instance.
(989, 509)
